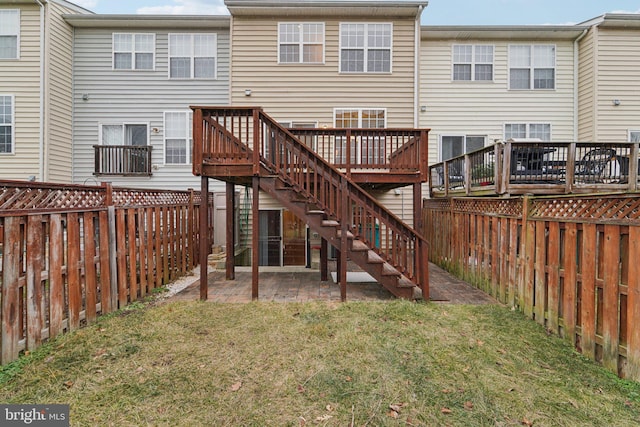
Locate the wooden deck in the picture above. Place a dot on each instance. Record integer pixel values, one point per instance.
(514, 168)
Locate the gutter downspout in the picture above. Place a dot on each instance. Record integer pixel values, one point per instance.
(416, 72)
(41, 170)
(576, 83)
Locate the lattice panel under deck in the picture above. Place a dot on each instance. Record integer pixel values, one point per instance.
(438, 204)
(501, 207)
(601, 209)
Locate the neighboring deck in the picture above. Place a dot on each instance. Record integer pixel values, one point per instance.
(514, 168)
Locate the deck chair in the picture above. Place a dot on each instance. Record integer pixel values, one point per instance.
(598, 165)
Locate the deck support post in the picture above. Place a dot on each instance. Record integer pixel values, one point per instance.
(344, 222)
(324, 257)
(417, 207)
(204, 236)
(255, 214)
(231, 227)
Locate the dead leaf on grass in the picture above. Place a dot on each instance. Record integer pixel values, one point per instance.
(393, 414)
(68, 384)
(468, 405)
(325, 417)
(303, 421)
(526, 422)
(236, 386)
(329, 408)
(301, 389)
(446, 411)
(348, 379)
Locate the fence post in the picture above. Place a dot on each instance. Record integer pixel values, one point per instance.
(10, 293)
(204, 236)
(113, 251)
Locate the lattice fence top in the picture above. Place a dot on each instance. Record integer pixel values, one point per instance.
(133, 197)
(501, 207)
(592, 209)
(438, 204)
(20, 197)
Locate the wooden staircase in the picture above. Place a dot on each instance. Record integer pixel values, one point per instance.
(244, 145)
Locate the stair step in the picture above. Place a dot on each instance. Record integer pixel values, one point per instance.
(330, 223)
(388, 270)
(349, 234)
(403, 282)
(374, 258)
(359, 246)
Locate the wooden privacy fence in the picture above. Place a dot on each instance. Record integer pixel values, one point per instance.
(69, 253)
(570, 263)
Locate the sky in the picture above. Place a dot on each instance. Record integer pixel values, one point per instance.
(438, 12)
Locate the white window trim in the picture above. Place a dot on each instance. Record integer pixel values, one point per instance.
(301, 44)
(133, 53)
(532, 68)
(473, 64)
(192, 56)
(189, 141)
(13, 126)
(124, 125)
(464, 136)
(17, 38)
(527, 128)
(366, 47)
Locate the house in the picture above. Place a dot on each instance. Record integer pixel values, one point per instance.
(36, 90)
(481, 84)
(134, 80)
(609, 79)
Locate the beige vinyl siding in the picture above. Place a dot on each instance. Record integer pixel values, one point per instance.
(117, 96)
(58, 136)
(618, 77)
(310, 92)
(586, 86)
(21, 78)
(482, 108)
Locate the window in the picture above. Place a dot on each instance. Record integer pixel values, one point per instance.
(133, 51)
(366, 150)
(540, 131)
(457, 145)
(9, 33)
(308, 140)
(177, 137)
(6, 124)
(365, 48)
(192, 56)
(634, 136)
(532, 67)
(472, 63)
(301, 43)
(125, 134)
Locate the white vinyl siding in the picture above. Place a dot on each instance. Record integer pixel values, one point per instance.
(177, 137)
(193, 56)
(6, 124)
(133, 51)
(473, 62)
(365, 47)
(301, 43)
(540, 131)
(532, 67)
(9, 33)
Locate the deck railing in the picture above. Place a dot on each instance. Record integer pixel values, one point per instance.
(538, 168)
(246, 135)
(122, 160)
(397, 150)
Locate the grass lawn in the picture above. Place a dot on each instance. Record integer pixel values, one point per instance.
(271, 364)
